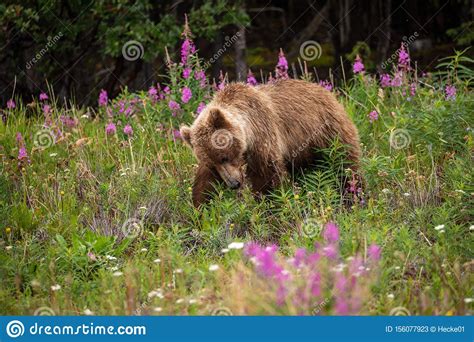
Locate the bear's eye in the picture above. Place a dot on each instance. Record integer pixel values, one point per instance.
(224, 160)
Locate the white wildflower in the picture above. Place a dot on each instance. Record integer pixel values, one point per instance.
(213, 268)
(236, 245)
(56, 287)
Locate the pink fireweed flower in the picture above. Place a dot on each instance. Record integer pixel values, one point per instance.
(103, 98)
(201, 77)
(110, 129)
(326, 85)
(186, 94)
(187, 49)
(91, 256)
(315, 283)
(222, 81)
(128, 130)
(176, 134)
(358, 66)
(413, 89)
(374, 252)
(174, 106)
(186, 73)
(11, 104)
(166, 90)
(385, 80)
(281, 70)
(300, 256)
(200, 108)
(153, 93)
(397, 80)
(450, 91)
(331, 251)
(43, 96)
(22, 154)
(251, 80)
(331, 232)
(373, 116)
(69, 121)
(46, 109)
(403, 58)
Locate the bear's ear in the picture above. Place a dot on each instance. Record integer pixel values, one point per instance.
(186, 134)
(217, 119)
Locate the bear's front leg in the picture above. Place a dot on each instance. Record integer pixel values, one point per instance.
(204, 181)
(266, 177)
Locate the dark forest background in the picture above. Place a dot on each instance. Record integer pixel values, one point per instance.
(75, 47)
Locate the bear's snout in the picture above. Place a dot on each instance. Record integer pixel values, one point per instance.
(231, 175)
(234, 184)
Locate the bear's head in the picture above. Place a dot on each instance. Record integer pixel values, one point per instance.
(218, 141)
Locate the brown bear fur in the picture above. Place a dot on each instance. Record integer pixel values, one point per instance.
(261, 133)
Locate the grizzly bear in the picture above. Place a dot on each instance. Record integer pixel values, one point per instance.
(260, 133)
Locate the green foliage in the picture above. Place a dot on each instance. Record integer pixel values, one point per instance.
(456, 68)
(363, 50)
(212, 16)
(463, 34)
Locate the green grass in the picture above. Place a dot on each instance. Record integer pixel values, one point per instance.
(74, 198)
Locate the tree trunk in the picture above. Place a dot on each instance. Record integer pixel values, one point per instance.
(240, 62)
(310, 30)
(217, 65)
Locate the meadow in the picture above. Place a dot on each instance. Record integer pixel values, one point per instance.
(96, 214)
